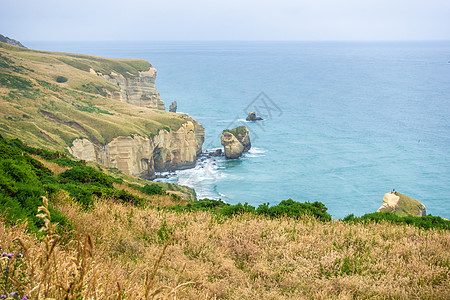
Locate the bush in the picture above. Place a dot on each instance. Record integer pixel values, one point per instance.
(61, 79)
(427, 222)
(85, 174)
(286, 208)
(23, 180)
(291, 208)
(153, 189)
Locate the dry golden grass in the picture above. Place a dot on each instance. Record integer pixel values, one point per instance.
(153, 200)
(242, 257)
(54, 167)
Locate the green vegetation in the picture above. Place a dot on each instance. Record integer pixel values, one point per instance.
(238, 131)
(426, 222)
(286, 208)
(153, 189)
(14, 82)
(24, 180)
(61, 79)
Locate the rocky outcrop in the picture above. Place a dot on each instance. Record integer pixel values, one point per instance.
(137, 90)
(143, 156)
(173, 107)
(5, 39)
(402, 205)
(252, 117)
(235, 142)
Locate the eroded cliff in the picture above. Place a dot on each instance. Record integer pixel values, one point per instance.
(143, 156)
(139, 90)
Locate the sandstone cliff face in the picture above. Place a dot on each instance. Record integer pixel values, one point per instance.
(143, 156)
(137, 90)
(235, 142)
(402, 205)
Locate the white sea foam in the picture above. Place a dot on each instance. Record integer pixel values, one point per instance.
(255, 152)
(243, 120)
(202, 177)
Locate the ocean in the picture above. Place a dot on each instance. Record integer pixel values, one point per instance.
(344, 122)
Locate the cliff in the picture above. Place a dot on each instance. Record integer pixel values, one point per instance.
(7, 40)
(143, 156)
(402, 205)
(99, 109)
(138, 89)
(235, 142)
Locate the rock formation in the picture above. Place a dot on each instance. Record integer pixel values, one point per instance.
(402, 205)
(143, 156)
(137, 90)
(235, 142)
(173, 106)
(5, 39)
(252, 117)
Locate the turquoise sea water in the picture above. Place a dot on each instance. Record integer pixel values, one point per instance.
(344, 122)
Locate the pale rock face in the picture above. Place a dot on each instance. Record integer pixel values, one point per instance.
(137, 90)
(235, 146)
(232, 147)
(390, 200)
(143, 156)
(83, 149)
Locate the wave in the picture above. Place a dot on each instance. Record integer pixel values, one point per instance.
(203, 177)
(255, 152)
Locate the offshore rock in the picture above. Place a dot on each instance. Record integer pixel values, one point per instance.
(402, 205)
(173, 107)
(235, 142)
(252, 117)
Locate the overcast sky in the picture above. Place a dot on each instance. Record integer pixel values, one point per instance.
(88, 20)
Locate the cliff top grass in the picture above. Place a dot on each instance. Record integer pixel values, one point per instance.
(37, 108)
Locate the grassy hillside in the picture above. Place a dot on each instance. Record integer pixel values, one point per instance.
(117, 240)
(49, 99)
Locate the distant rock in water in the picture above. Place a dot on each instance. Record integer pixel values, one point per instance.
(402, 205)
(173, 106)
(235, 142)
(215, 153)
(252, 117)
(7, 40)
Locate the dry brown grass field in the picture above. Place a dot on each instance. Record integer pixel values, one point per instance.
(123, 252)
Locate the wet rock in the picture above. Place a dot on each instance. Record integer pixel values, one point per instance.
(252, 117)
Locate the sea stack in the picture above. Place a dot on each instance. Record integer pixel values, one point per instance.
(252, 117)
(402, 205)
(173, 107)
(235, 142)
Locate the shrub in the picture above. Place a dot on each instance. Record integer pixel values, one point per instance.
(286, 208)
(23, 180)
(291, 208)
(153, 189)
(85, 174)
(61, 79)
(426, 222)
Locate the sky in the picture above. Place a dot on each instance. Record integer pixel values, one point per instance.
(302, 20)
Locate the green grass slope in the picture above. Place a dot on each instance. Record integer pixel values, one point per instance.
(48, 99)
